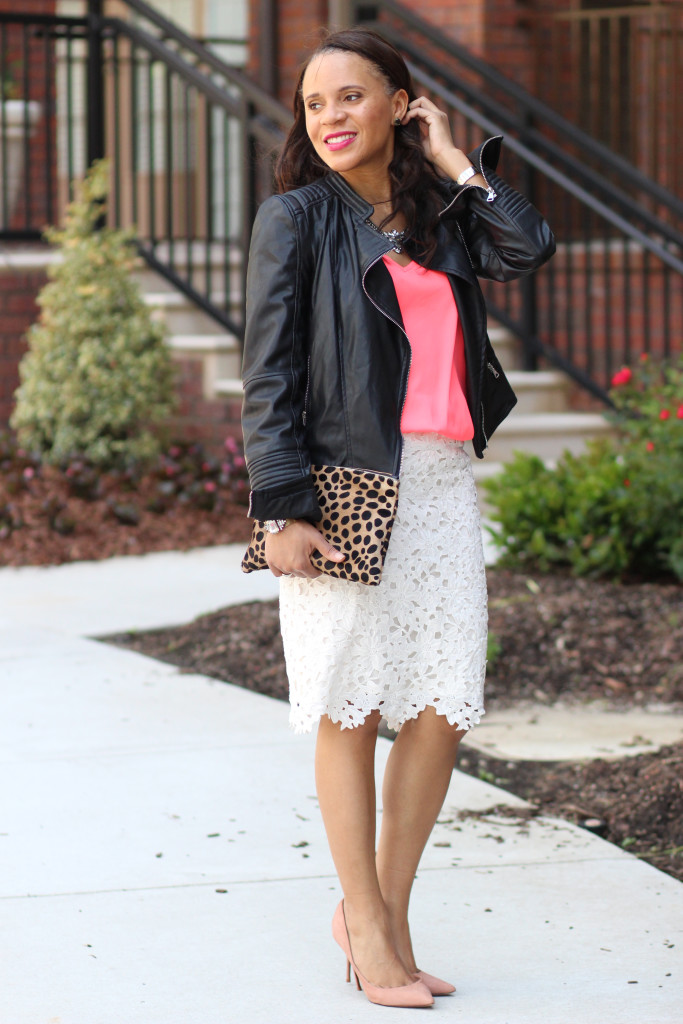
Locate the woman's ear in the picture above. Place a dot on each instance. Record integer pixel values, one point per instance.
(400, 105)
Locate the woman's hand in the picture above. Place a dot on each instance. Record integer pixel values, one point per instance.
(437, 140)
(288, 553)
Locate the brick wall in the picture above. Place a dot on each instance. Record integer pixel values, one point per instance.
(299, 25)
(18, 310)
(498, 30)
(199, 419)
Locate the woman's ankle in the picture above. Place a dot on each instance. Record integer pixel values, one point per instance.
(365, 906)
(400, 933)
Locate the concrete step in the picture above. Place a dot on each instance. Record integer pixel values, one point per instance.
(229, 387)
(219, 354)
(182, 316)
(206, 264)
(545, 434)
(507, 347)
(483, 470)
(539, 391)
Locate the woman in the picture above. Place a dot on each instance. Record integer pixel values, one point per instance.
(366, 347)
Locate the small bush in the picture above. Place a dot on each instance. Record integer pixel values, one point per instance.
(97, 381)
(617, 509)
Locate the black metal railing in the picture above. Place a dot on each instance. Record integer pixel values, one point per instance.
(615, 287)
(191, 140)
(625, 66)
(189, 137)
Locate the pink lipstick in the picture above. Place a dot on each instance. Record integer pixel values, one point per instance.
(340, 140)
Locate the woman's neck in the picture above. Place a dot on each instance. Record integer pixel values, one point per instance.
(375, 189)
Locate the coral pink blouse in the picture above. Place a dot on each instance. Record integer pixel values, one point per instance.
(435, 400)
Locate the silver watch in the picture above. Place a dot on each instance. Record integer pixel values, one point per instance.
(465, 175)
(275, 525)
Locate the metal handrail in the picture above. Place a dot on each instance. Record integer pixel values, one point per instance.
(500, 118)
(563, 180)
(269, 106)
(525, 100)
(188, 72)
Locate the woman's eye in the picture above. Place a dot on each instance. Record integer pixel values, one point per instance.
(352, 96)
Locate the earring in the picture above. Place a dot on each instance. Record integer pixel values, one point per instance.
(397, 122)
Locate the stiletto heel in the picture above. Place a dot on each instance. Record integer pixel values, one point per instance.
(414, 995)
(436, 986)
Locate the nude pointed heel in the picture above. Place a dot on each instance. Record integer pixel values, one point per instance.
(414, 995)
(436, 986)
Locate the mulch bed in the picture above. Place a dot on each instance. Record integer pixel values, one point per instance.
(58, 527)
(558, 639)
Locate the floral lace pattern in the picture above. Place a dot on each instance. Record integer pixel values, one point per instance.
(418, 639)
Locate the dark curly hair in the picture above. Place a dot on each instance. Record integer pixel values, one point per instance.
(414, 179)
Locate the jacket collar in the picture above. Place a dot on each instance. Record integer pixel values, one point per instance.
(372, 245)
(339, 185)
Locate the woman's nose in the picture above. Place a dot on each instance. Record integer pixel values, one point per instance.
(334, 113)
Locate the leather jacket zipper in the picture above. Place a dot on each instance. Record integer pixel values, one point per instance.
(462, 236)
(304, 415)
(410, 352)
(491, 192)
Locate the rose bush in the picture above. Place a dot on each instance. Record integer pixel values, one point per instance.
(617, 509)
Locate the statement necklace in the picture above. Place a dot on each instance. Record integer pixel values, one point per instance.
(397, 238)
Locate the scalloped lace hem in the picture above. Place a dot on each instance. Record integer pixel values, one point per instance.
(463, 715)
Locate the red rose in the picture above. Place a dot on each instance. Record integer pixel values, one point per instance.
(679, 413)
(622, 376)
(627, 482)
(664, 414)
(650, 446)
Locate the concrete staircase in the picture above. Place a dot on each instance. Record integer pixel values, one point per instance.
(193, 334)
(542, 423)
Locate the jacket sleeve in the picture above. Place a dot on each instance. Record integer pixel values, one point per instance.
(274, 369)
(505, 236)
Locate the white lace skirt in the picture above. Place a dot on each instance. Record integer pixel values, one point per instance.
(418, 639)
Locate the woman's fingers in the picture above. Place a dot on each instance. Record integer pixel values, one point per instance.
(288, 553)
(327, 550)
(435, 124)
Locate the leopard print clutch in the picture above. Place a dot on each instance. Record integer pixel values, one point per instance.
(359, 508)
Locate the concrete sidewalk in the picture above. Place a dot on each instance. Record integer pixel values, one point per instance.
(162, 858)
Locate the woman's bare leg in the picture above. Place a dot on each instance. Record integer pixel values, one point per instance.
(416, 779)
(345, 780)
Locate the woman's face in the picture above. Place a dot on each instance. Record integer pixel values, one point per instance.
(350, 115)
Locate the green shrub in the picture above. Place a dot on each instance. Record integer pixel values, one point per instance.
(97, 380)
(615, 510)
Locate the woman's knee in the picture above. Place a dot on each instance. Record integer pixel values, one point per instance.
(363, 732)
(430, 723)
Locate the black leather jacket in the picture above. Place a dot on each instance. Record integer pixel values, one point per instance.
(326, 357)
